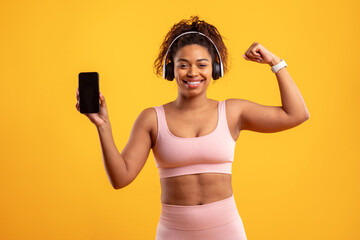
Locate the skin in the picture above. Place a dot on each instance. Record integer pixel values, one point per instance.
(193, 114)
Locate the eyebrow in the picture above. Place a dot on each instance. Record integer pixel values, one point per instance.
(198, 60)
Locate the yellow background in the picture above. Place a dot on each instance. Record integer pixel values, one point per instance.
(302, 183)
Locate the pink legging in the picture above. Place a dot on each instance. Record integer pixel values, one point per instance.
(218, 220)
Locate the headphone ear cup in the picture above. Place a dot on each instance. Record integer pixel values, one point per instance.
(169, 71)
(216, 71)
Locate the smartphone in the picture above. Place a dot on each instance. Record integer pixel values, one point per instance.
(89, 92)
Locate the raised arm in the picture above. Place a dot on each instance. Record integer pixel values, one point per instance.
(122, 168)
(261, 118)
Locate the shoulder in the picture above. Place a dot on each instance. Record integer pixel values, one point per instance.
(235, 105)
(148, 119)
(146, 122)
(147, 116)
(234, 102)
(148, 111)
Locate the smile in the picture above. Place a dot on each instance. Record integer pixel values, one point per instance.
(193, 84)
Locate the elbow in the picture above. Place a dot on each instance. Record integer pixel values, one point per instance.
(118, 185)
(115, 185)
(299, 119)
(121, 184)
(307, 116)
(119, 180)
(304, 118)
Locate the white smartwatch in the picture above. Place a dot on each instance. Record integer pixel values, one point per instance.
(278, 66)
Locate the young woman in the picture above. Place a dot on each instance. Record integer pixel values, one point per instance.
(193, 137)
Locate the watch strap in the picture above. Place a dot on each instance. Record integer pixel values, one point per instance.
(278, 66)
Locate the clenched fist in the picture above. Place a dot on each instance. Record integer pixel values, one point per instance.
(258, 53)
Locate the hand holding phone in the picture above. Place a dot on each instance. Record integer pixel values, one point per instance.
(88, 97)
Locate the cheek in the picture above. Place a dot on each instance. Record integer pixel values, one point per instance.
(208, 71)
(180, 72)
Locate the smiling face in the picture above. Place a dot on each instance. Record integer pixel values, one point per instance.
(192, 70)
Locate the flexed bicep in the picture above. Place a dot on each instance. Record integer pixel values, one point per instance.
(262, 118)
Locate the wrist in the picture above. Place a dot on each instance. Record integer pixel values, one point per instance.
(104, 126)
(274, 61)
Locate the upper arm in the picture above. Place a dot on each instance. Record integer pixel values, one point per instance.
(266, 119)
(137, 149)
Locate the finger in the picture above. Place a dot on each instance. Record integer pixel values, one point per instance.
(246, 58)
(251, 57)
(254, 51)
(250, 54)
(77, 94)
(102, 98)
(256, 54)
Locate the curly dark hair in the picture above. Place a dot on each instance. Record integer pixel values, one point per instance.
(192, 24)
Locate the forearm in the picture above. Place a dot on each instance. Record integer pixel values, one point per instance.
(291, 98)
(115, 165)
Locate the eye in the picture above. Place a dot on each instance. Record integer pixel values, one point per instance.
(203, 65)
(182, 66)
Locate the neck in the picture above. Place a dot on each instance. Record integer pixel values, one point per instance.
(192, 103)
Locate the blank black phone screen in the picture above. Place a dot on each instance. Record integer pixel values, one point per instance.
(89, 92)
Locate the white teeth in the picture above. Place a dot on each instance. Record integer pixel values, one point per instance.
(193, 83)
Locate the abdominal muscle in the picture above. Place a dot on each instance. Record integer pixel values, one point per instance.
(195, 189)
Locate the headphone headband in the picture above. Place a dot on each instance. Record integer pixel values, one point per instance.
(190, 32)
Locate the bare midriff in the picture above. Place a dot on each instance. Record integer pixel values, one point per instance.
(195, 189)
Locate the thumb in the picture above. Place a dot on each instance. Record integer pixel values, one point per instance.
(102, 98)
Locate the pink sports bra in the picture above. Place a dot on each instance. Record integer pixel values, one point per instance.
(175, 156)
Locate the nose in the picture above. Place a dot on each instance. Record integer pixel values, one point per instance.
(193, 71)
